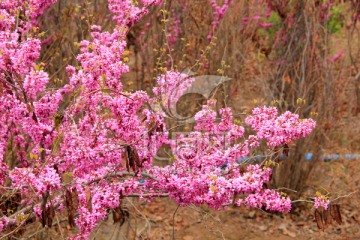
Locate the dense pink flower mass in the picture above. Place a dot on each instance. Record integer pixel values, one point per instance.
(40, 180)
(105, 140)
(279, 130)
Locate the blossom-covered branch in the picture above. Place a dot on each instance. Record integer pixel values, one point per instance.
(78, 157)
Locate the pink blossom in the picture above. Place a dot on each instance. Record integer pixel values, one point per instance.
(337, 56)
(4, 221)
(279, 130)
(265, 25)
(219, 13)
(321, 202)
(45, 180)
(270, 199)
(35, 83)
(172, 85)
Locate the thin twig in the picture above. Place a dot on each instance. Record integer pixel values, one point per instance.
(174, 221)
(344, 196)
(117, 174)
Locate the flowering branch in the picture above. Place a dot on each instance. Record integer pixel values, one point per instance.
(108, 133)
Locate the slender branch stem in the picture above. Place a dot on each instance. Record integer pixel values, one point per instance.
(174, 221)
(121, 174)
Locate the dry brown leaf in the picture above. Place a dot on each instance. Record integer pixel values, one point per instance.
(319, 220)
(88, 198)
(335, 213)
(70, 208)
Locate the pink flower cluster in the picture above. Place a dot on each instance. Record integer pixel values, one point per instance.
(31, 10)
(103, 196)
(171, 86)
(100, 60)
(206, 170)
(35, 83)
(39, 180)
(128, 12)
(4, 221)
(219, 13)
(321, 202)
(21, 108)
(279, 130)
(173, 29)
(270, 199)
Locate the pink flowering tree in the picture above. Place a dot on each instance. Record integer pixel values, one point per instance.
(82, 160)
